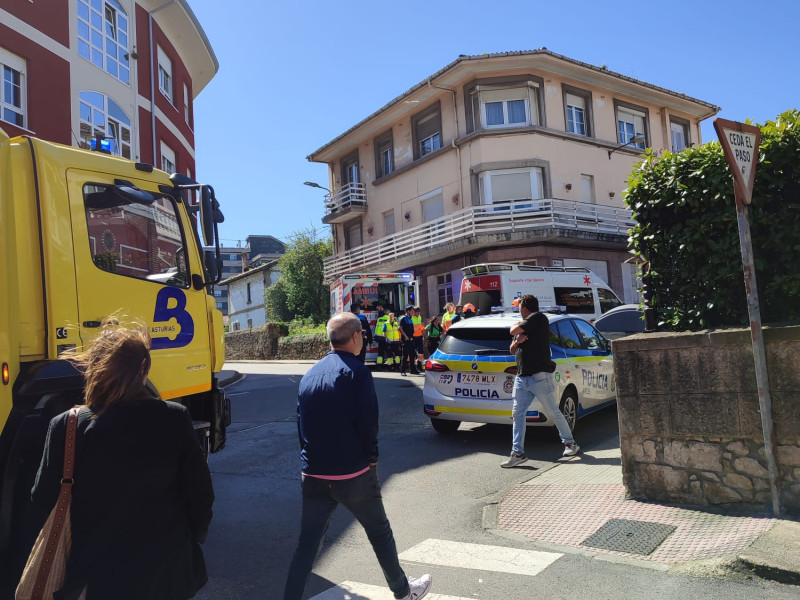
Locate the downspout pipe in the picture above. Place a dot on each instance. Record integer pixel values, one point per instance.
(453, 142)
(153, 70)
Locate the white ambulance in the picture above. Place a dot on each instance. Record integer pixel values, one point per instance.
(393, 291)
(577, 289)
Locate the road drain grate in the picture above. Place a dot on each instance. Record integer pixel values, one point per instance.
(633, 537)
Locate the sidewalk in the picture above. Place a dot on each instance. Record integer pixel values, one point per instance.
(580, 503)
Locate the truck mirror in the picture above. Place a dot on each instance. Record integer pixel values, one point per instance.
(211, 264)
(207, 215)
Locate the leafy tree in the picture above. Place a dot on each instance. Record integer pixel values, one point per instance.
(275, 302)
(687, 237)
(301, 279)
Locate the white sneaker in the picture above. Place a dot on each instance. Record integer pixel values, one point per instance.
(418, 588)
(514, 460)
(571, 449)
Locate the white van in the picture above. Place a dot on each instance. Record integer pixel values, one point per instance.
(577, 289)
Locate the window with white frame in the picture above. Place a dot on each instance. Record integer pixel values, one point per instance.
(432, 205)
(103, 36)
(12, 94)
(167, 159)
(680, 134)
(427, 131)
(508, 107)
(384, 154)
(352, 235)
(186, 103)
(444, 289)
(164, 74)
(100, 115)
(630, 124)
(587, 188)
(388, 223)
(576, 114)
(509, 185)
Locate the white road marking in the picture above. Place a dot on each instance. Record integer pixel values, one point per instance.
(478, 556)
(351, 590)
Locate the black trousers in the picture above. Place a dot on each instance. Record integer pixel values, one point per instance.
(409, 356)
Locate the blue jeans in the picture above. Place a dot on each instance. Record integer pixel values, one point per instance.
(543, 387)
(362, 497)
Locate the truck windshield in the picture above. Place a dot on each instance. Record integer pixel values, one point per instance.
(135, 240)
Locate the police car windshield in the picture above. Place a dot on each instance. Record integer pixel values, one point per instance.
(476, 340)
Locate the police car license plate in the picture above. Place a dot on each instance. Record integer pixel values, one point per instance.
(478, 378)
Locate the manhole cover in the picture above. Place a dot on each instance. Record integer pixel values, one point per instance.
(633, 537)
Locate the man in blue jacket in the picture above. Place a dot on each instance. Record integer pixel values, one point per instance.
(337, 421)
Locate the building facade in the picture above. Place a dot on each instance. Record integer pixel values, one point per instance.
(123, 70)
(257, 250)
(246, 307)
(516, 157)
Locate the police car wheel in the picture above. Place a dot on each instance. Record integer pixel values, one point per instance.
(569, 408)
(442, 426)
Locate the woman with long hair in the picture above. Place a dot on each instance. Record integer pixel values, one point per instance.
(142, 493)
(435, 331)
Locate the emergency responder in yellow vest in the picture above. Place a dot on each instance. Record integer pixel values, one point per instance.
(419, 337)
(391, 330)
(447, 317)
(380, 336)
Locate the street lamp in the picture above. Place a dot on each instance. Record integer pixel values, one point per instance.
(637, 139)
(333, 229)
(316, 185)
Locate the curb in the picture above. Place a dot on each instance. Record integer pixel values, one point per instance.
(767, 572)
(230, 379)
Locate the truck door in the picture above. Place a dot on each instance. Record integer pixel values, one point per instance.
(136, 259)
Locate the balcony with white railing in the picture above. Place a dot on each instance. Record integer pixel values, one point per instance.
(345, 203)
(488, 226)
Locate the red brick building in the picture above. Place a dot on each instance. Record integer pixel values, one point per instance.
(73, 70)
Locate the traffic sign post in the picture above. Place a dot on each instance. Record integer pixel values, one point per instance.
(740, 143)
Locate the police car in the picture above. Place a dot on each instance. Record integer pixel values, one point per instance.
(470, 377)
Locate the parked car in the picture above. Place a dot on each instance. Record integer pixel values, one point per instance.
(623, 320)
(470, 377)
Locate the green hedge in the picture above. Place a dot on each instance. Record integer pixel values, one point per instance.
(687, 239)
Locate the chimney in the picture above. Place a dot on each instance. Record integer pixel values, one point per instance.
(244, 262)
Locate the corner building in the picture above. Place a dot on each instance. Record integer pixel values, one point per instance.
(513, 157)
(73, 70)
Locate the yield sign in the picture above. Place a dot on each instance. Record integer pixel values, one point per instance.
(740, 144)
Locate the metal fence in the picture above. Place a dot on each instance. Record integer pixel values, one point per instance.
(492, 219)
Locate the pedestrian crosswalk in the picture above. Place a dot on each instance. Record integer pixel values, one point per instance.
(446, 553)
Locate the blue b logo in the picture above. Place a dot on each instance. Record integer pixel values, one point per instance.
(163, 328)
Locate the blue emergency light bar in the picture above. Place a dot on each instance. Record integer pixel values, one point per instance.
(105, 145)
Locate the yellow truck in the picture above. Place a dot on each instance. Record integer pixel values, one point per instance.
(85, 235)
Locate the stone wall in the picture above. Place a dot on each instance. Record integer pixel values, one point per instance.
(270, 342)
(690, 426)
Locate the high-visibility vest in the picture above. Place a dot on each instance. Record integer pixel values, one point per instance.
(419, 328)
(446, 318)
(433, 331)
(392, 331)
(379, 325)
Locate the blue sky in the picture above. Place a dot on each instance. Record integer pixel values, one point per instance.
(294, 75)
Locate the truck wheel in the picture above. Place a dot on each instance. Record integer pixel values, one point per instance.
(445, 427)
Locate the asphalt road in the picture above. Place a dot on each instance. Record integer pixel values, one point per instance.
(435, 489)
